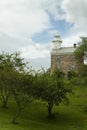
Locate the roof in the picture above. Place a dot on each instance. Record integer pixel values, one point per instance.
(63, 50)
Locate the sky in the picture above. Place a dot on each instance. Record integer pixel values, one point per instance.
(29, 26)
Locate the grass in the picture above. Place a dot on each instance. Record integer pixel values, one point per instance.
(72, 117)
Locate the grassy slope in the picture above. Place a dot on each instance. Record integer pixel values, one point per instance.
(72, 117)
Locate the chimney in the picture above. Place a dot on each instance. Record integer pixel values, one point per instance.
(74, 45)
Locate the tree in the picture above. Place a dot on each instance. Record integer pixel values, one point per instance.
(20, 94)
(72, 74)
(5, 79)
(80, 53)
(52, 89)
(9, 64)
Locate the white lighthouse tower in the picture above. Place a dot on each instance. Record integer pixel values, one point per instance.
(57, 41)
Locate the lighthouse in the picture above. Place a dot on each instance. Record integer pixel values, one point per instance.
(57, 41)
(62, 58)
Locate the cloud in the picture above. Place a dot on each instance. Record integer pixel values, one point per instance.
(25, 18)
(54, 8)
(71, 40)
(34, 51)
(22, 17)
(40, 63)
(75, 12)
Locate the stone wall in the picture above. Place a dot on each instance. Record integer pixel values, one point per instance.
(64, 62)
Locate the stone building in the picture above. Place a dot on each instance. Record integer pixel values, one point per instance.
(62, 57)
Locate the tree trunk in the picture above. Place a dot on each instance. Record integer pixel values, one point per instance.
(4, 100)
(50, 106)
(15, 117)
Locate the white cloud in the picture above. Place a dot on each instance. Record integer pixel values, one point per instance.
(38, 55)
(34, 51)
(54, 8)
(40, 63)
(25, 17)
(22, 17)
(75, 12)
(69, 41)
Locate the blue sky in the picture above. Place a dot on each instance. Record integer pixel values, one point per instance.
(61, 26)
(29, 26)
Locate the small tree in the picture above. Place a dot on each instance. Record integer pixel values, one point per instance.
(9, 64)
(80, 52)
(5, 92)
(21, 94)
(52, 88)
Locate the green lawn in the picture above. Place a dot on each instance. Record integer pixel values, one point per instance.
(72, 117)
